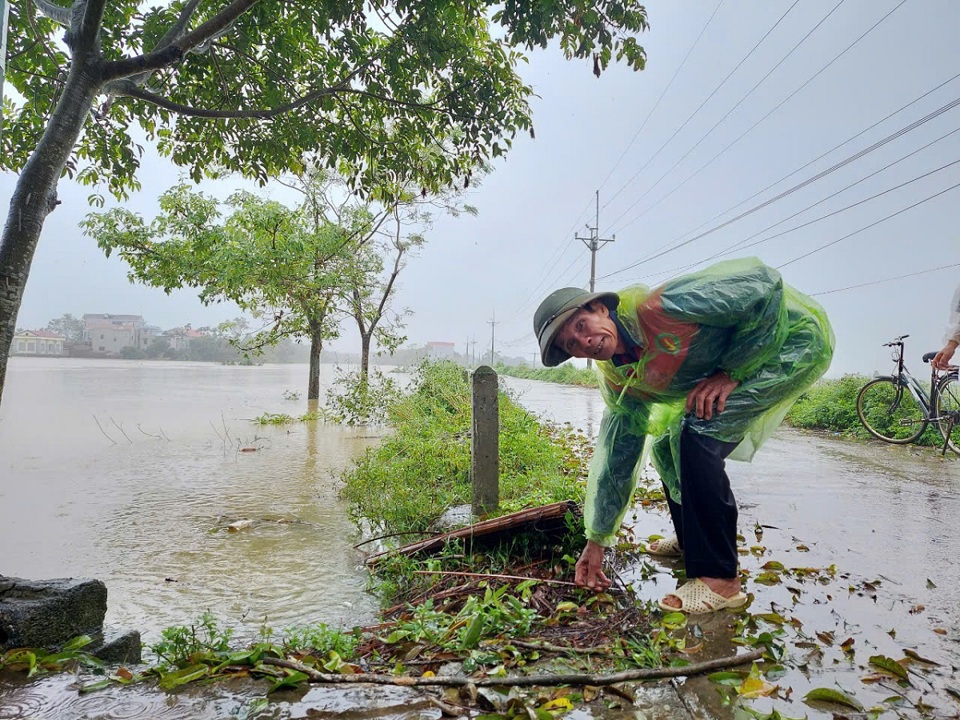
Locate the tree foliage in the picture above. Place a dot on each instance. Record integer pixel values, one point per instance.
(261, 87)
(67, 325)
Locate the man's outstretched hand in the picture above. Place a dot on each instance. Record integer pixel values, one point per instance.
(590, 568)
(942, 360)
(710, 391)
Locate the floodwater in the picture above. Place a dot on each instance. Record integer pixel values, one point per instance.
(133, 472)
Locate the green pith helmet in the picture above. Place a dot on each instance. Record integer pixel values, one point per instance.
(555, 310)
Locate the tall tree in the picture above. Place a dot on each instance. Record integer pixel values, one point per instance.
(267, 258)
(68, 326)
(371, 281)
(260, 87)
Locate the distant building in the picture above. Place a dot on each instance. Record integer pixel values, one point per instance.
(180, 338)
(111, 333)
(38, 342)
(441, 349)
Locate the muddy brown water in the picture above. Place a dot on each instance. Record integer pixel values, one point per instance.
(133, 472)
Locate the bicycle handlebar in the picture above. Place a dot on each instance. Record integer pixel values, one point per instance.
(896, 341)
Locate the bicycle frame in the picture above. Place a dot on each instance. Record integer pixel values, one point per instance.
(905, 379)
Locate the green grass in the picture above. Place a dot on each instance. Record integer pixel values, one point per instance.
(831, 405)
(564, 374)
(422, 468)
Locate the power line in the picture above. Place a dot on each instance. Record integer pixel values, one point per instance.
(657, 103)
(691, 116)
(664, 250)
(775, 108)
(890, 279)
(835, 212)
(789, 175)
(808, 164)
(742, 244)
(867, 227)
(728, 113)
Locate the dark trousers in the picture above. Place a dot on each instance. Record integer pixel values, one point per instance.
(706, 519)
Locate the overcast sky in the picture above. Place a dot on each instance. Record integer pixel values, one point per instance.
(674, 152)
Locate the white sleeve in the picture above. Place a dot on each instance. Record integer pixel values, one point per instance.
(953, 327)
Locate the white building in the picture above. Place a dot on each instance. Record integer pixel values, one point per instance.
(38, 342)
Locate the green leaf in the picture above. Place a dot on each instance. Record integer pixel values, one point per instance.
(727, 677)
(252, 707)
(171, 680)
(673, 620)
(832, 696)
(474, 630)
(293, 678)
(81, 641)
(94, 686)
(889, 665)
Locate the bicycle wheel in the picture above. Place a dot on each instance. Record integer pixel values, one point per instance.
(948, 408)
(890, 412)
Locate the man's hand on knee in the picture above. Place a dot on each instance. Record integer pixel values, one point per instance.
(710, 392)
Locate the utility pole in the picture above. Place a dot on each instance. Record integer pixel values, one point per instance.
(533, 363)
(594, 242)
(493, 329)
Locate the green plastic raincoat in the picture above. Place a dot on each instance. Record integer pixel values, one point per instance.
(735, 316)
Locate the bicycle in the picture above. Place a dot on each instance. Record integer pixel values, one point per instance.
(897, 408)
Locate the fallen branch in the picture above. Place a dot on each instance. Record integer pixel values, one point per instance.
(547, 647)
(492, 576)
(524, 680)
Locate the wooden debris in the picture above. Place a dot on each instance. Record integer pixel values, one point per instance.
(545, 519)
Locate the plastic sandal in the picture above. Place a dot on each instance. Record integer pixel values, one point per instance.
(665, 547)
(696, 598)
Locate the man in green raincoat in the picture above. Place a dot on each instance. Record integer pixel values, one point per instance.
(699, 369)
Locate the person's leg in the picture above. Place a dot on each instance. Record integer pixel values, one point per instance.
(708, 508)
(708, 515)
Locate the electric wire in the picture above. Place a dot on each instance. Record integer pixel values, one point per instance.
(867, 227)
(657, 103)
(743, 244)
(769, 113)
(664, 250)
(694, 113)
(728, 113)
(884, 280)
(799, 169)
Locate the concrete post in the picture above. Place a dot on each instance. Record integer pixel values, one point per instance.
(485, 455)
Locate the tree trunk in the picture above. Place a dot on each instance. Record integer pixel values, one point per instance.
(365, 355)
(35, 196)
(316, 347)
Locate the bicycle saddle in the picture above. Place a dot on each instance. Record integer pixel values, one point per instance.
(927, 357)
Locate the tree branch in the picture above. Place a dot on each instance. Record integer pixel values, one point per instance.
(88, 33)
(167, 54)
(131, 89)
(179, 28)
(58, 14)
(523, 680)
